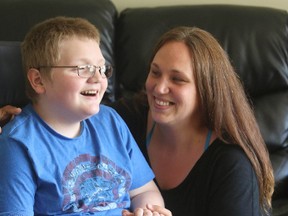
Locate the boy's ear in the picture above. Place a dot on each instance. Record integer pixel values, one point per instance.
(35, 80)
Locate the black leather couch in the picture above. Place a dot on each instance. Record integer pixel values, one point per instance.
(256, 39)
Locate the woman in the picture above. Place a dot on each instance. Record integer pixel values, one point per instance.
(198, 131)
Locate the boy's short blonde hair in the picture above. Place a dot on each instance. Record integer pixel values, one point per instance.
(41, 44)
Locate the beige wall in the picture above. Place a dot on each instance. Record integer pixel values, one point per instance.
(122, 4)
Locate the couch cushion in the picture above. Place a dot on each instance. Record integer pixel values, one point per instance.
(12, 86)
(271, 112)
(18, 17)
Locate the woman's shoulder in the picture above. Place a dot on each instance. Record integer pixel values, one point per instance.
(132, 110)
(137, 103)
(228, 156)
(219, 147)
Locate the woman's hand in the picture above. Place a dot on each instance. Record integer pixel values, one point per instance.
(7, 113)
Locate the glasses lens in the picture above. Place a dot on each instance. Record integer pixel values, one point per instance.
(105, 71)
(108, 71)
(86, 71)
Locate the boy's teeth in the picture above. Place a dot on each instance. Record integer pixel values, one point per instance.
(89, 92)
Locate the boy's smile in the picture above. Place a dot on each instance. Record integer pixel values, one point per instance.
(68, 96)
(89, 92)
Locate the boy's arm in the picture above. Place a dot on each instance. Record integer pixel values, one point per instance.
(7, 113)
(147, 194)
(17, 181)
(147, 197)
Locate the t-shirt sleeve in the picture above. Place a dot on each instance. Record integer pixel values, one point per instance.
(17, 183)
(141, 171)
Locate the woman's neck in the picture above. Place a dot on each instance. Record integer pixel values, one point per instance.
(177, 134)
(174, 150)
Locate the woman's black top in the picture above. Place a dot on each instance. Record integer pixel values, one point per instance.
(222, 182)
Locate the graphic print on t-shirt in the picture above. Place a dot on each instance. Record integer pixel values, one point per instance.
(92, 184)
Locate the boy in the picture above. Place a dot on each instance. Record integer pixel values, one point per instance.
(57, 156)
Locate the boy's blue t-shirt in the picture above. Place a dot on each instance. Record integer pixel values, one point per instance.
(43, 172)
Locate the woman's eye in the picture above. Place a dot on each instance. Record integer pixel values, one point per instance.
(155, 73)
(178, 79)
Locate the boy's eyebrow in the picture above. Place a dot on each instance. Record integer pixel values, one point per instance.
(99, 62)
(102, 61)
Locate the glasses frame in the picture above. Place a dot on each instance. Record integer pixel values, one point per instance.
(104, 74)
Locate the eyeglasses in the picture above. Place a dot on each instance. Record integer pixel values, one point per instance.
(87, 71)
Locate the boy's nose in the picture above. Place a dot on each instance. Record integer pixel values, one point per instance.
(96, 77)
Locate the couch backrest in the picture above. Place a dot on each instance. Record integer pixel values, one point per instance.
(18, 16)
(256, 39)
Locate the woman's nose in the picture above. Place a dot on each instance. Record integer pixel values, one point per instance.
(162, 86)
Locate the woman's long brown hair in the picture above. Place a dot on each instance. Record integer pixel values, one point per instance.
(226, 109)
